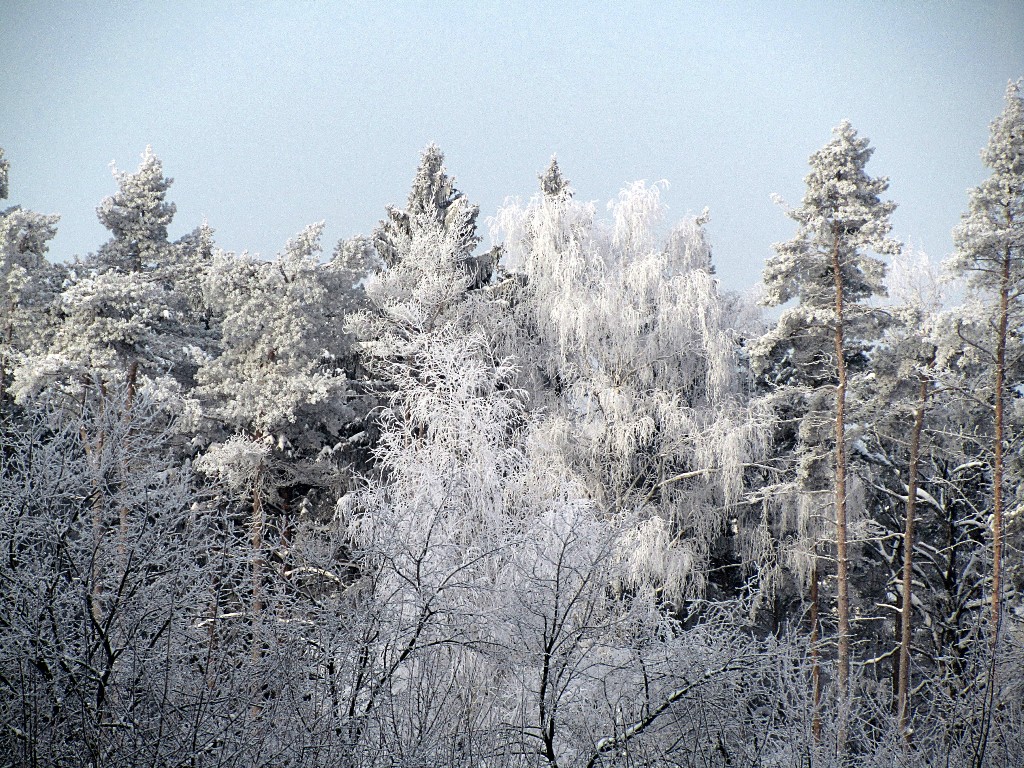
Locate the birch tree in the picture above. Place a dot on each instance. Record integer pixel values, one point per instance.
(504, 630)
(625, 337)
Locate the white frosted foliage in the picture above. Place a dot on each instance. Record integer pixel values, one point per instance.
(841, 221)
(119, 319)
(237, 461)
(137, 216)
(28, 282)
(630, 331)
(272, 357)
(109, 320)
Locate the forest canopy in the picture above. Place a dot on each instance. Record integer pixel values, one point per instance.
(559, 502)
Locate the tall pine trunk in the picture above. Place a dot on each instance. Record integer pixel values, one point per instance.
(997, 466)
(903, 692)
(842, 564)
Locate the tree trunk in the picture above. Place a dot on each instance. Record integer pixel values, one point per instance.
(842, 575)
(256, 541)
(131, 382)
(815, 652)
(94, 456)
(997, 466)
(903, 693)
(257, 525)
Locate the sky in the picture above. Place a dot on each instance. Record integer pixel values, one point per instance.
(274, 115)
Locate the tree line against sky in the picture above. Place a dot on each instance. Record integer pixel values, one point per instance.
(562, 502)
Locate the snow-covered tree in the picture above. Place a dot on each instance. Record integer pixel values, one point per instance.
(119, 316)
(514, 618)
(552, 183)
(990, 255)
(827, 270)
(5, 169)
(272, 388)
(28, 281)
(274, 354)
(103, 661)
(137, 216)
(434, 205)
(624, 337)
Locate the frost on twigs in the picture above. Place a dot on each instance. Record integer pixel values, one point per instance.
(651, 555)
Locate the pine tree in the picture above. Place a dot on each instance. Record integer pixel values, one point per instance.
(120, 317)
(272, 357)
(990, 253)
(137, 216)
(826, 270)
(28, 281)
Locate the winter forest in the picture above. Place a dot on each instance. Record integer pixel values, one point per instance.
(563, 502)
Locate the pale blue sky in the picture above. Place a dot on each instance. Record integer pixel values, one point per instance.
(271, 116)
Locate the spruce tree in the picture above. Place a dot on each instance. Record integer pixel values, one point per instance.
(434, 205)
(5, 168)
(553, 184)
